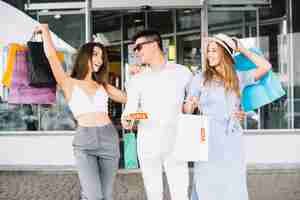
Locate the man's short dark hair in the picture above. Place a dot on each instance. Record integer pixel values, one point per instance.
(149, 35)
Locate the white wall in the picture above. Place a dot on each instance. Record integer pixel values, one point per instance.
(36, 150)
(270, 149)
(57, 150)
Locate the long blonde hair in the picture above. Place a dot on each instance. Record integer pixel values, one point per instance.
(230, 78)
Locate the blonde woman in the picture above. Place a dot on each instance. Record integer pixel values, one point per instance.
(216, 92)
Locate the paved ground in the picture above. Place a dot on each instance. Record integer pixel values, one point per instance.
(51, 185)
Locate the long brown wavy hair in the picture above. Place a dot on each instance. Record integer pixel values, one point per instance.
(230, 78)
(81, 65)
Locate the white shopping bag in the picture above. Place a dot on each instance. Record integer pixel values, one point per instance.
(191, 142)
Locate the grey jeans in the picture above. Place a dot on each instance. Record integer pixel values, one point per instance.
(96, 151)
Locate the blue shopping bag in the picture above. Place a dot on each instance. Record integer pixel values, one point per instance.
(264, 91)
(130, 151)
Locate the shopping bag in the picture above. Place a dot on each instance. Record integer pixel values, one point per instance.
(130, 151)
(192, 135)
(10, 55)
(29, 95)
(39, 70)
(20, 92)
(264, 91)
(267, 90)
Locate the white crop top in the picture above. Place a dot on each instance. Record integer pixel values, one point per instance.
(81, 103)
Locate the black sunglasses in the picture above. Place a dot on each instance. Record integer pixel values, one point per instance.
(139, 46)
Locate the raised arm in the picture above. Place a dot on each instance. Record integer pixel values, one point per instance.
(116, 94)
(263, 65)
(59, 74)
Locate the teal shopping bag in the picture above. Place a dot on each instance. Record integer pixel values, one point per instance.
(130, 151)
(264, 91)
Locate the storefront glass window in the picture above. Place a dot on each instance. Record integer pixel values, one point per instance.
(41, 117)
(274, 46)
(189, 51)
(162, 21)
(133, 22)
(107, 26)
(296, 73)
(69, 27)
(18, 117)
(185, 48)
(234, 23)
(188, 19)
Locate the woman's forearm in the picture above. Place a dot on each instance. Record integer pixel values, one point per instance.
(116, 94)
(263, 65)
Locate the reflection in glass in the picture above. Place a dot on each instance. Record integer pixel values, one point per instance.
(58, 116)
(18, 117)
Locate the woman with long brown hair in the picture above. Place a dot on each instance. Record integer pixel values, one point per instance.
(216, 92)
(95, 145)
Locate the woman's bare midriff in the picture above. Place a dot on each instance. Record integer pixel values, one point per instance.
(93, 119)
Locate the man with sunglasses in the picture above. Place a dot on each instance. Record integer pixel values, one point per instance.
(159, 93)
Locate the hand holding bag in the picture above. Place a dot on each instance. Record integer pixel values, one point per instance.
(39, 70)
(191, 142)
(130, 150)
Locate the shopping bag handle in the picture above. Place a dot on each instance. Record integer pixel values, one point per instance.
(130, 130)
(34, 37)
